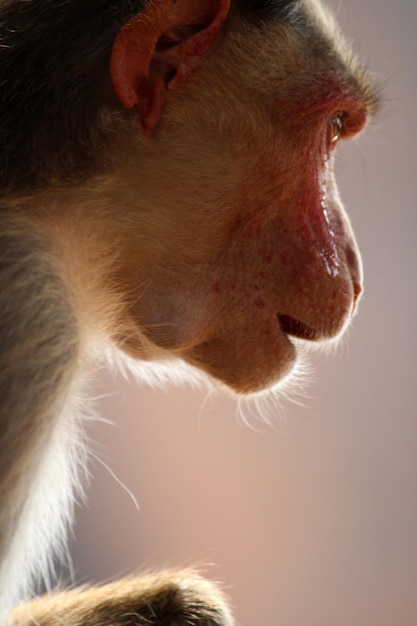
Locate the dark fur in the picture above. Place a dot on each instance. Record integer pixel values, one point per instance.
(49, 101)
(51, 127)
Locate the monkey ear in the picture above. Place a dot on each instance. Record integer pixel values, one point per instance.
(160, 48)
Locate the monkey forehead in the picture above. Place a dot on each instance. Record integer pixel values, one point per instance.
(305, 34)
(330, 76)
(330, 59)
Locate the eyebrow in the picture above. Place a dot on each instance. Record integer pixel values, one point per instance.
(357, 93)
(368, 90)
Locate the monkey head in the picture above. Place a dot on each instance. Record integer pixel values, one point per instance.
(246, 252)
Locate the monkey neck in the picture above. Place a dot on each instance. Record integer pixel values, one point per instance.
(83, 251)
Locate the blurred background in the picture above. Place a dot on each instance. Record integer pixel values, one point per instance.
(311, 521)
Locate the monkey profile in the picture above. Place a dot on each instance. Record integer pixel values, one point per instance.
(168, 195)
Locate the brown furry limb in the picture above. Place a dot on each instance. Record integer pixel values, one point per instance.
(179, 598)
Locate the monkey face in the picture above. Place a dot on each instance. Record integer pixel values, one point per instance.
(257, 257)
(252, 289)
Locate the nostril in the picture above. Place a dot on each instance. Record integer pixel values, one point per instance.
(357, 290)
(355, 269)
(354, 264)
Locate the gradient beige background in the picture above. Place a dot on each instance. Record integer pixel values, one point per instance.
(312, 522)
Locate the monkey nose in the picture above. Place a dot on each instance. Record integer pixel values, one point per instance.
(357, 290)
(354, 264)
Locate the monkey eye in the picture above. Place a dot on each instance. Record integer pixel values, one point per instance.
(336, 127)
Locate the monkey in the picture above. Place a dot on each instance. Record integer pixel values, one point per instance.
(168, 196)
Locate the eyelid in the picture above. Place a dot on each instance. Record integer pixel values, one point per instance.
(336, 124)
(354, 121)
(353, 113)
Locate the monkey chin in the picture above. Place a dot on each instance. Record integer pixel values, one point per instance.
(249, 359)
(280, 363)
(243, 367)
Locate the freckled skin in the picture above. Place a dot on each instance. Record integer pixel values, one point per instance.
(276, 261)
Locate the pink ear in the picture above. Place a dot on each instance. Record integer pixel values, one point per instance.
(141, 74)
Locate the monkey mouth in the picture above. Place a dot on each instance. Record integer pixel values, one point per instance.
(295, 328)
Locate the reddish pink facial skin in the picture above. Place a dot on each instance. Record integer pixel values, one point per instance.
(292, 255)
(295, 257)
